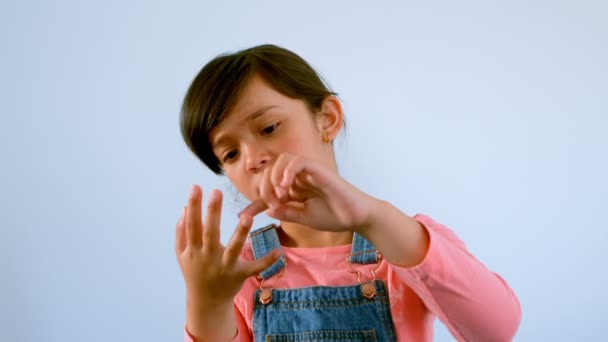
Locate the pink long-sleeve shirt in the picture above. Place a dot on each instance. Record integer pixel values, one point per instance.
(474, 303)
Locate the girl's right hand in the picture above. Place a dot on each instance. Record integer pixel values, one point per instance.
(213, 273)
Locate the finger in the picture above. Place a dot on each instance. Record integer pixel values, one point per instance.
(290, 212)
(211, 228)
(267, 193)
(298, 191)
(254, 208)
(306, 174)
(194, 226)
(180, 234)
(259, 265)
(292, 169)
(276, 176)
(236, 243)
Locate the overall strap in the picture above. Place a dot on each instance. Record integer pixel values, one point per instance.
(263, 241)
(363, 252)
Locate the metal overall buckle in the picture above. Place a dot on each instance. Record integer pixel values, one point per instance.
(266, 293)
(368, 289)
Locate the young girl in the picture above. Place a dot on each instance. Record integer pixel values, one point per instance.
(341, 265)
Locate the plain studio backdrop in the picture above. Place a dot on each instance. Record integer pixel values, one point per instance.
(488, 116)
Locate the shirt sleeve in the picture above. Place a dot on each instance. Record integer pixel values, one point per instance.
(242, 334)
(474, 303)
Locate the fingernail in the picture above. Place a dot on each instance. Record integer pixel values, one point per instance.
(192, 191)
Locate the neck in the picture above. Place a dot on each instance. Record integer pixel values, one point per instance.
(301, 236)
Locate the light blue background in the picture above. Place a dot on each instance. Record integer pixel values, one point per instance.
(488, 116)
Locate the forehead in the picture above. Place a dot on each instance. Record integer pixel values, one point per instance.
(256, 96)
(257, 93)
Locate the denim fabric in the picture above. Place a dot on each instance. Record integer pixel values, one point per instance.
(363, 252)
(321, 313)
(263, 241)
(348, 336)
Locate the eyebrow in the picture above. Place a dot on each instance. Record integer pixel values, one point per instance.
(249, 117)
(259, 112)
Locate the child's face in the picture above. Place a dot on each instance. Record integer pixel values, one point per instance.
(263, 124)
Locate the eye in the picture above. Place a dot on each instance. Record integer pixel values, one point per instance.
(229, 156)
(270, 129)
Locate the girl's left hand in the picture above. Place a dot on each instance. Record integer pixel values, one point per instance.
(301, 191)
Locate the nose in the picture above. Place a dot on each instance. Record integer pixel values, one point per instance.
(256, 158)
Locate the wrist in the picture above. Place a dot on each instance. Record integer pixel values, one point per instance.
(401, 239)
(210, 320)
(207, 304)
(374, 207)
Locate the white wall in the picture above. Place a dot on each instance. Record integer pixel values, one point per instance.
(488, 116)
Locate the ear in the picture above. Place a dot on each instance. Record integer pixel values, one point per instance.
(331, 117)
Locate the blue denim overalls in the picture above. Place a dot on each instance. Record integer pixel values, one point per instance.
(351, 313)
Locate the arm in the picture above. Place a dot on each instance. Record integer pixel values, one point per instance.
(213, 273)
(473, 302)
(401, 239)
(241, 333)
(460, 290)
(208, 322)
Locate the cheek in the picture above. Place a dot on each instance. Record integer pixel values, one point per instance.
(290, 145)
(302, 143)
(242, 184)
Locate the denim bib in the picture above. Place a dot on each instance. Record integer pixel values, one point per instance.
(359, 312)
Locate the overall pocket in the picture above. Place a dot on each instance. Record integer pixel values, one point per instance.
(325, 336)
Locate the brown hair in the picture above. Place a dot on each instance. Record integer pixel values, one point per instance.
(217, 86)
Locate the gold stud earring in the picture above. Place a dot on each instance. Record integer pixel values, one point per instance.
(325, 137)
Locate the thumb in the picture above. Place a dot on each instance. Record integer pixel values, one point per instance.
(263, 263)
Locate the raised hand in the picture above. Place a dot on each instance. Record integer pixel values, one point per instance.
(213, 273)
(298, 190)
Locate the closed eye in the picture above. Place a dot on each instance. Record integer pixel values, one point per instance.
(271, 128)
(229, 156)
